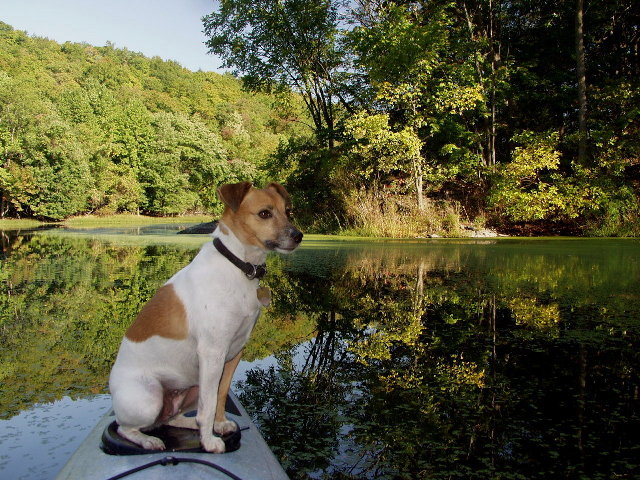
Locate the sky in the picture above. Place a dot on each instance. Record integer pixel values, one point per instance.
(170, 29)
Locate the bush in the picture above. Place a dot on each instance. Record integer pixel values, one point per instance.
(618, 217)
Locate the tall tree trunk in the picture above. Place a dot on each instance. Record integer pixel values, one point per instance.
(420, 195)
(582, 83)
(495, 58)
(419, 184)
(488, 144)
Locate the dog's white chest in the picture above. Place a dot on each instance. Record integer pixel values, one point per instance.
(221, 302)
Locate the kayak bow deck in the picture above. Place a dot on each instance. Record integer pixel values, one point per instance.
(183, 459)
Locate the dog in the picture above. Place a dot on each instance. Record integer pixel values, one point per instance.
(181, 351)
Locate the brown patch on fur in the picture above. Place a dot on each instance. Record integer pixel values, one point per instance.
(232, 194)
(282, 192)
(163, 315)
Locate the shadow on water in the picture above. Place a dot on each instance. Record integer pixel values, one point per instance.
(443, 359)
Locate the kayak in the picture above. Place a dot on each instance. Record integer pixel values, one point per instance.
(104, 455)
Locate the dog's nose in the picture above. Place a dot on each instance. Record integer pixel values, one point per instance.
(296, 235)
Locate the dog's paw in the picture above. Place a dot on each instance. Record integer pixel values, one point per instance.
(145, 441)
(152, 443)
(212, 444)
(222, 428)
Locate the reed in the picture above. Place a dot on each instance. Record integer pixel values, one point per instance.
(397, 216)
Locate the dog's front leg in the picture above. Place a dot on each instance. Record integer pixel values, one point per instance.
(211, 367)
(222, 425)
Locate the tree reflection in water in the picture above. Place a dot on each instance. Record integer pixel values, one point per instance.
(510, 359)
(468, 361)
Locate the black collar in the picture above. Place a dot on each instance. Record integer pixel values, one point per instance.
(250, 270)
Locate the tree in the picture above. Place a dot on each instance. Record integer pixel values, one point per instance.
(100, 129)
(44, 172)
(186, 162)
(582, 83)
(284, 45)
(420, 76)
(380, 152)
(531, 187)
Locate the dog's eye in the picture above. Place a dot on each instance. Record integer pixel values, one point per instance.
(288, 212)
(264, 214)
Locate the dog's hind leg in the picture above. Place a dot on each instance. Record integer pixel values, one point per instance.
(182, 421)
(137, 403)
(147, 442)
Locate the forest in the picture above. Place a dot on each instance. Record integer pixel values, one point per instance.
(384, 118)
(101, 130)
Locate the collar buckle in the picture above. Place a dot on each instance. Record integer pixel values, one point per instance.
(258, 272)
(252, 275)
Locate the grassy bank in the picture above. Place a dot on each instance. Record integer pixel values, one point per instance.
(369, 219)
(91, 221)
(18, 223)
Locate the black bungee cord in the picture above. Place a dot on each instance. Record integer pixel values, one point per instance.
(169, 460)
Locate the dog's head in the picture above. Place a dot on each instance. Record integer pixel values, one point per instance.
(260, 217)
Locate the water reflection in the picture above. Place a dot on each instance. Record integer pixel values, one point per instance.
(502, 359)
(514, 359)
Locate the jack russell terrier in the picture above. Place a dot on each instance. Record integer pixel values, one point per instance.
(183, 348)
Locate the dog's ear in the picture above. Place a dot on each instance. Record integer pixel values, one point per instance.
(283, 193)
(232, 194)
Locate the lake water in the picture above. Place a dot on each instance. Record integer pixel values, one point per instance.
(435, 359)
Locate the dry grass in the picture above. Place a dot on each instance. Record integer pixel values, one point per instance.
(398, 217)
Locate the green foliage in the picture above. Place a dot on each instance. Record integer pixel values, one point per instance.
(416, 73)
(531, 187)
(308, 172)
(460, 81)
(617, 215)
(378, 150)
(97, 129)
(467, 105)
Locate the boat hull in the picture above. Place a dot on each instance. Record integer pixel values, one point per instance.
(252, 460)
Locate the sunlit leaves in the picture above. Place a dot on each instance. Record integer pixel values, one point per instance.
(102, 130)
(379, 149)
(531, 186)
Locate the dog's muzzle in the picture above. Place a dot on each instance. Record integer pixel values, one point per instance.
(288, 240)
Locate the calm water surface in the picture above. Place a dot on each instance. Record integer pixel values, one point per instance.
(510, 359)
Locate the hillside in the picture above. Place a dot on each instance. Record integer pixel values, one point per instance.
(87, 129)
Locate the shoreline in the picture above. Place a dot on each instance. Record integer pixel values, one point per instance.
(123, 219)
(127, 219)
